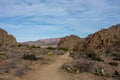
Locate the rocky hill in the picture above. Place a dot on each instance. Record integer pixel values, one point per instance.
(103, 40)
(6, 38)
(44, 42)
(69, 42)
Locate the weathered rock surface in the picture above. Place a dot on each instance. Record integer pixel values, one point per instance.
(6, 38)
(69, 42)
(103, 39)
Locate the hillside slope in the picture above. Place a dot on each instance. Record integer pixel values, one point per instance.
(6, 38)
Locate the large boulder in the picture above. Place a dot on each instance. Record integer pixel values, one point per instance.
(6, 38)
(104, 39)
(69, 42)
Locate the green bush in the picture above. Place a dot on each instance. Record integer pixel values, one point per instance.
(29, 57)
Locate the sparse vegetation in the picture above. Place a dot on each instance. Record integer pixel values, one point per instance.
(33, 46)
(51, 54)
(99, 71)
(94, 56)
(87, 54)
(78, 67)
(113, 63)
(91, 61)
(116, 74)
(64, 49)
(19, 45)
(117, 57)
(2, 53)
(17, 60)
(20, 71)
(98, 55)
(29, 57)
(51, 48)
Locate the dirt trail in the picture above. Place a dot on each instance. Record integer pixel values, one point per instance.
(51, 71)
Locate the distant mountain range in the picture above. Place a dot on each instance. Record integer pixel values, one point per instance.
(44, 42)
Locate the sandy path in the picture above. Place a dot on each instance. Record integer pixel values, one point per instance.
(51, 71)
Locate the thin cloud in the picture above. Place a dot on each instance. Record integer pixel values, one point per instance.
(60, 17)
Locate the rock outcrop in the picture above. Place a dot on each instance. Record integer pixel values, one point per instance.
(5, 38)
(103, 39)
(69, 42)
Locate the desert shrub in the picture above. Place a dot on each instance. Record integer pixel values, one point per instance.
(0, 45)
(2, 79)
(81, 53)
(84, 53)
(19, 72)
(113, 63)
(29, 57)
(117, 57)
(4, 69)
(77, 66)
(59, 52)
(67, 68)
(84, 66)
(94, 56)
(11, 64)
(51, 48)
(2, 53)
(108, 51)
(99, 71)
(64, 49)
(33, 46)
(116, 75)
(75, 55)
(51, 54)
(19, 45)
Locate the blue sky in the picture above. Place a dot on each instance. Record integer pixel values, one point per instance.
(38, 19)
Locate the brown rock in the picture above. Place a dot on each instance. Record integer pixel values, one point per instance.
(104, 39)
(69, 42)
(5, 38)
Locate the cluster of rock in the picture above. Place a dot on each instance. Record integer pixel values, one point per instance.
(6, 38)
(104, 39)
(101, 40)
(69, 42)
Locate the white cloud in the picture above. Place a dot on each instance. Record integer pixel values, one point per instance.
(80, 15)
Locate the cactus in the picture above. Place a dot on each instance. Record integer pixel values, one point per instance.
(99, 71)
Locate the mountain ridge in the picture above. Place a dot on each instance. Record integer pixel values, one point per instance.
(43, 42)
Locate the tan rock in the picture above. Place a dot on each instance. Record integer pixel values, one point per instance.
(5, 38)
(69, 42)
(104, 39)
